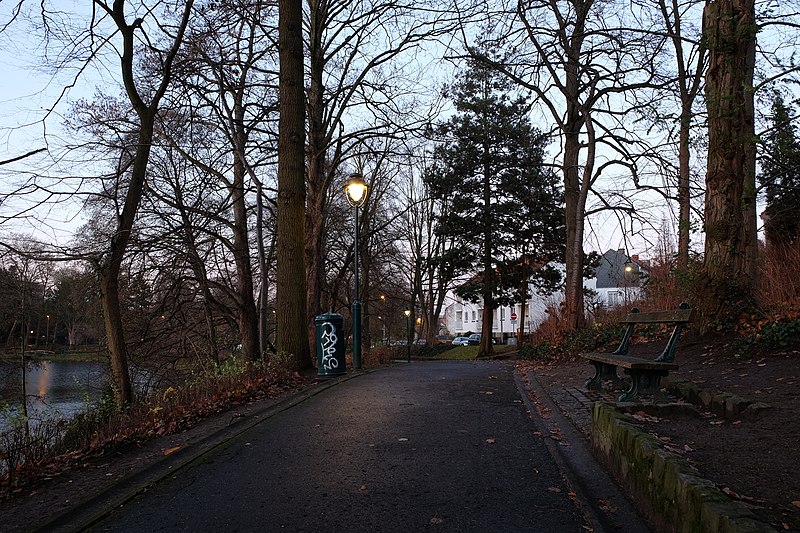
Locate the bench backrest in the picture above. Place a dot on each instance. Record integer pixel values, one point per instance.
(678, 317)
(658, 317)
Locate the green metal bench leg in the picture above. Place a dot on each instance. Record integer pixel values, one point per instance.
(644, 382)
(602, 372)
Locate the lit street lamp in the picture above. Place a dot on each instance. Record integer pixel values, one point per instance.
(356, 192)
(47, 334)
(407, 312)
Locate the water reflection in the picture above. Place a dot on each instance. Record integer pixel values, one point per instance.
(54, 388)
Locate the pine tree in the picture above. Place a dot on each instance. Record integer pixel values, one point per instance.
(780, 177)
(505, 207)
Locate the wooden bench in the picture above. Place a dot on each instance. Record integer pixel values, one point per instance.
(645, 374)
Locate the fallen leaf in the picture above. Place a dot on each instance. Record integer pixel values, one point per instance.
(490, 440)
(402, 439)
(362, 488)
(606, 506)
(641, 416)
(171, 450)
(436, 520)
(796, 503)
(554, 489)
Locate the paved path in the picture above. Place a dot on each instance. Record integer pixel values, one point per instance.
(430, 446)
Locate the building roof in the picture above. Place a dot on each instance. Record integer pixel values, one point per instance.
(610, 273)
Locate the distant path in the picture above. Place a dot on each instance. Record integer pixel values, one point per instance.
(431, 446)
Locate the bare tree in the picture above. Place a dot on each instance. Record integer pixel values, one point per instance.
(571, 56)
(690, 60)
(358, 93)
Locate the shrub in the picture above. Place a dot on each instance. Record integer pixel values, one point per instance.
(103, 425)
(571, 343)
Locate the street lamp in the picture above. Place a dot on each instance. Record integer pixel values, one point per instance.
(628, 270)
(47, 335)
(356, 193)
(407, 312)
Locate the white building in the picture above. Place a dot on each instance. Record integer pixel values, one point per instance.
(617, 282)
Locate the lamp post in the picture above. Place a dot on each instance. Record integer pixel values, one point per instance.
(47, 334)
(356, 193)
(385, 337)
(628, 270)
(407, 312)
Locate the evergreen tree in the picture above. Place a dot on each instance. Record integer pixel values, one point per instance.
(780, 177)
(505, 208)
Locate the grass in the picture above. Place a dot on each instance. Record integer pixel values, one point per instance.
(467, 353)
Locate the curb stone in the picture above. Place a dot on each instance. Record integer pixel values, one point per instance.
(723, 404)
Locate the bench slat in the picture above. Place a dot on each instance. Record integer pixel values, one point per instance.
(629, 361)
(672, 317)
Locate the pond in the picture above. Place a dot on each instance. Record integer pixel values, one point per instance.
(54, 388)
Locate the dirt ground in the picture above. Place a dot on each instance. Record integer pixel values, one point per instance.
(756, 461)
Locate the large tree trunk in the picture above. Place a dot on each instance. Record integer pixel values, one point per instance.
(292, 318)
(730, 248)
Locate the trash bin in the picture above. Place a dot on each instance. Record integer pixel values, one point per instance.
(330, 345)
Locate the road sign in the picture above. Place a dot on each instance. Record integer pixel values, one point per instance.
(513, 316)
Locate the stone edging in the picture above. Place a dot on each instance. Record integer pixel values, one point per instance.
(723, 404)
(666, 488)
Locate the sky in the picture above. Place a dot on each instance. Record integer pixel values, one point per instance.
(27, 92)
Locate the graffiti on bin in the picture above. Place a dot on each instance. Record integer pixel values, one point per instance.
(328, 341)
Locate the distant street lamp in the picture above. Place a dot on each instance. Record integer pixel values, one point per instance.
(47, 334)
(356, 193)
(625, 280)
(407, 312)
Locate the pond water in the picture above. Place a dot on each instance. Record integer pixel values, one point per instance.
(54, 388)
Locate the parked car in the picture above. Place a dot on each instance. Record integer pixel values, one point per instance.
(475, 339)
(460, 341)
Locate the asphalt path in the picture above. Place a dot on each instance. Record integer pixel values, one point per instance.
(428, 446)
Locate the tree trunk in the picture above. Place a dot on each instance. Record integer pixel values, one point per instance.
(317, 172)
(730, 222)
(486, 349)
(573, 293)
(110, 265)
(573, 201)
(248, 315)
(292, 318)
(684, 198)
